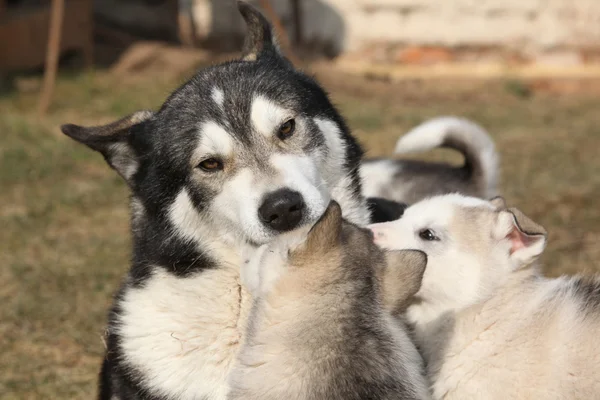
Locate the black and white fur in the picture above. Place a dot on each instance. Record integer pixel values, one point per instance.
(202, 170)
(409, 181)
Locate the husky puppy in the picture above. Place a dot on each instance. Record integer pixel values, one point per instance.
(489, 325)
(318, 328)
(408, 181)
(242, 152)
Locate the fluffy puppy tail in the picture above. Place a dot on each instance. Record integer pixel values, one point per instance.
(470, 139)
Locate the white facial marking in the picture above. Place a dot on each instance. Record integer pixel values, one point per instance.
(267, 116)
(334, 163)
(214, 141)
(238, 204)
(335, 175)
(188, 223)
(185, 217)
(218, 96)
(300, 173)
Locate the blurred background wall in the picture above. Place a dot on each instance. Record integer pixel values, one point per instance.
(405, 31)
(421, 32)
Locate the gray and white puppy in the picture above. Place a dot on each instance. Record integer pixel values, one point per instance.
(320, 325)
(409, 181)
(489, 324)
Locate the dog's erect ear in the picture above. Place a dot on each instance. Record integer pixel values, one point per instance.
(402, 277)
(527, 238)
(260, 37)
(112, 140)
(326, 231)
(498, 202)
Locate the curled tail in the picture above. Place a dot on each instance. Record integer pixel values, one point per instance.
(481, 159)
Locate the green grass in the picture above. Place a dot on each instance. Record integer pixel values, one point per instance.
(64, 242)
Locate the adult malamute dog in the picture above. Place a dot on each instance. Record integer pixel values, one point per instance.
(242, 152)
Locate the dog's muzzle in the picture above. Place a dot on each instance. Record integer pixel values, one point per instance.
(282, 210)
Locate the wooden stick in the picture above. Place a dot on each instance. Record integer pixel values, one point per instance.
(281, 32)
(52, 54)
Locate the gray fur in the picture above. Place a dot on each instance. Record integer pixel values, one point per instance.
(409, 181)
(319, 327)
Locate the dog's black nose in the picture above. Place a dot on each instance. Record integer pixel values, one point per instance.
(282, 210)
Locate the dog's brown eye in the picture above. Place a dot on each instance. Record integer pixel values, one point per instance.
(428, 234)
(211, 165)
(287, 129)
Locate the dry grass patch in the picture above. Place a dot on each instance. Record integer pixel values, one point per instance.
(64, 245)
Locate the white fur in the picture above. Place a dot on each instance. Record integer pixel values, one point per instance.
(300, 173)
(217, 96)
(432, 134)
(353, 208)
(239, 200)
(214, 141)
(236, 206)
(489, 327)
(336, 156)
(267, 116)
(186, 220)
(184, 333)
(435, 214)
(377, 175)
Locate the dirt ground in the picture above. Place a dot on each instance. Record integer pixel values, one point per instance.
(64, 245)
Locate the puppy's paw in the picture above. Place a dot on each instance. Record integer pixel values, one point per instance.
(250, 269)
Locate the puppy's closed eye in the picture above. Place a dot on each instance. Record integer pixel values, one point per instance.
(428, 235)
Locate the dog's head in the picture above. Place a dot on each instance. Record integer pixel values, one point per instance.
(334, 250)
(472, 246)
(249, 148)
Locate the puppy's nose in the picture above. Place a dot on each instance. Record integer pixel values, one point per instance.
(378, 233)
(282, 210)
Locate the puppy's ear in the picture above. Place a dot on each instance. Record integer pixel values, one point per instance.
(498, 202)
(402, 278)
(113, 141)
(527, 239)
(260, 37)
(326, 231)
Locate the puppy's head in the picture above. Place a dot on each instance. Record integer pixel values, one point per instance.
(336, 250)
(472, 246)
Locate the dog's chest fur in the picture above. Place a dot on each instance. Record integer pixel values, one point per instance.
(179, 336)
(183, 335)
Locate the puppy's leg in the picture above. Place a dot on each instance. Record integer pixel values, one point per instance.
(250, 269)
